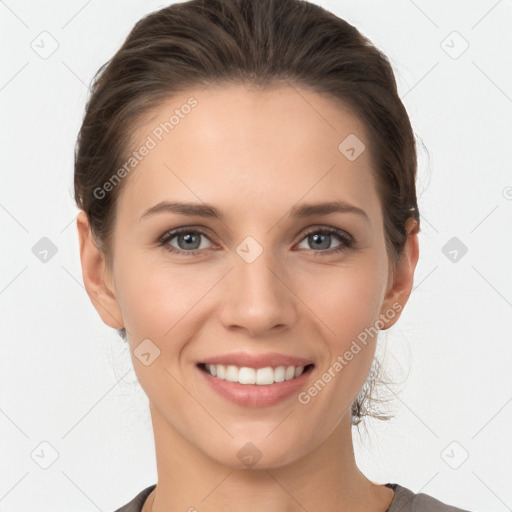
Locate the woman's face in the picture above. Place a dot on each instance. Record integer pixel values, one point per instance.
(259, 279)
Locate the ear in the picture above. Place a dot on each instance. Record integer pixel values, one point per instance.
(401, 281)
(96, 277)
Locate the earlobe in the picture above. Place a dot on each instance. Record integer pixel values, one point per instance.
(94, 274)
(403, 278)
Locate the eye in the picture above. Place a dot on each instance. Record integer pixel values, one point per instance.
(321, 238)
(188, 241)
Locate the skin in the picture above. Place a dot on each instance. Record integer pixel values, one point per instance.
(253, 155)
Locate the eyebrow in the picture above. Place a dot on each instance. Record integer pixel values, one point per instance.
(209, 211)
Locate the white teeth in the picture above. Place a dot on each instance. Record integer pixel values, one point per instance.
(261, 376)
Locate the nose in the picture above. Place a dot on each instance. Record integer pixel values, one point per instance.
(258, 296)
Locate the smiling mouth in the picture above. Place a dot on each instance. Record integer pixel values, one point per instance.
(262, 376)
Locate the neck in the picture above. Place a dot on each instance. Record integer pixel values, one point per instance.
(326, 478)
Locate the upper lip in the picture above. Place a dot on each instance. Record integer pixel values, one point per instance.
(256, 361)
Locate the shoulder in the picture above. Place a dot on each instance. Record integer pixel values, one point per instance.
(404, 501)
(136, 504)
(407, 501)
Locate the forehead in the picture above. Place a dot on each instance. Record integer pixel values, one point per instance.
(235, 148)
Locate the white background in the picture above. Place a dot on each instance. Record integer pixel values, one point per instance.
(65, 377)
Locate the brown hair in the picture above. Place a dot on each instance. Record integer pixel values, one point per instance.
(256, 42)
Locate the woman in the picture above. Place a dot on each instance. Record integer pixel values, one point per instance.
(246, 174)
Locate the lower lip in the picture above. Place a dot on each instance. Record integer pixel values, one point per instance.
(253, 395)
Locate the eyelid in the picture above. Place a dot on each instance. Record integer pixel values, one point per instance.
(329, 229)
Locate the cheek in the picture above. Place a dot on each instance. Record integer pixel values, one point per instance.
(159, 304)
(154, 299)
(159, 301)
(169, 304)
(346, 300)
(346, 305)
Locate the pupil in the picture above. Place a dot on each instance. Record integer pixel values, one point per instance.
(318, 238)
(189, 238)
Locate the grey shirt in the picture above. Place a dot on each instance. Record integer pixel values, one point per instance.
(404, 501)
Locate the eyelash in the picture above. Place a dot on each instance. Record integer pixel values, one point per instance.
(347, 240)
